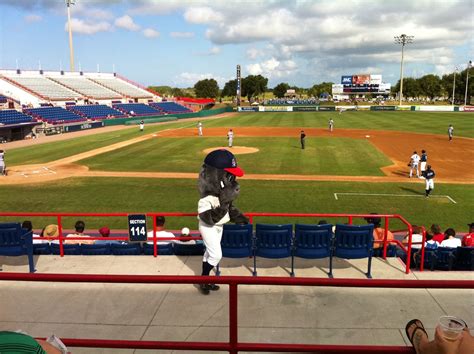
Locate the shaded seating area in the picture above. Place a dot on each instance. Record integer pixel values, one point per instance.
(170, 107)
(98, 111)
(138, 109)
(54, 115)
(15, 241)
(446, 258)
(11, 116)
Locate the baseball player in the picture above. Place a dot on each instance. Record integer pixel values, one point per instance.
(199, 128)
(302, 139)
(450, 132)
(414, 161)
(423, 161)
(3, 170)
(429, 181)
(230, 137)
(331, 124)
(142, 125)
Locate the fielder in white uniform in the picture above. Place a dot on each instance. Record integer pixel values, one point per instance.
(230, 137)
(199, 128)
(414, 161)
(450, 132)
(142, 125)
(2, 163)
(331, 125)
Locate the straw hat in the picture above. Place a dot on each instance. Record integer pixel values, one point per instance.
(51, 231)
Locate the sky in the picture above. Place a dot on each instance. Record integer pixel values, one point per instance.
(178, 42)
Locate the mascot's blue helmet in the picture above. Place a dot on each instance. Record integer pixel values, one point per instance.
(224, 160)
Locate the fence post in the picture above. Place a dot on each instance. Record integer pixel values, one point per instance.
(385, 234)
(60, 231)
(155, 246)
(233, 320)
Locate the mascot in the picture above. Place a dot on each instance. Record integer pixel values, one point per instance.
(218, 188)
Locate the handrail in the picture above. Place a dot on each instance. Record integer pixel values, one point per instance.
(251, 217)
(233, 345)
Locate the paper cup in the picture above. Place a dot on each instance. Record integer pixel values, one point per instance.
(451, 327)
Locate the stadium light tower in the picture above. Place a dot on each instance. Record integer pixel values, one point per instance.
(454, 84)
(469, 65)
(71, 49)
(402, 39)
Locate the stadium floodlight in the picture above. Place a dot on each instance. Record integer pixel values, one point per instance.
(469, 65)
(71, 49)
(402, 39)
(454, 84)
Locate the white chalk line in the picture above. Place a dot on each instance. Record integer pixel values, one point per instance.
(395, 195)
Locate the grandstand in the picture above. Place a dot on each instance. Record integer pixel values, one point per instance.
(43, 87)
(137, 109)
(87, 88)
(11, 117)
(124, 88)
(170, 107)
(54, 115)
(96, 111)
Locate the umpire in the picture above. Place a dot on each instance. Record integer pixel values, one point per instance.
(302, 138)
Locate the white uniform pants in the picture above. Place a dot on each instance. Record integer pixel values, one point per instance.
(211, 235)
(414, 167)
(423, 166)
(429, 183)
(200, 131)
(231, 141)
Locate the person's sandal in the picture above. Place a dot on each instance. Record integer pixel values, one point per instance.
(419, 326)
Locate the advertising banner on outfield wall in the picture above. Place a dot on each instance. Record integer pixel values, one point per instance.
(305, 109)
(375, 79)
(327, 108)
(276, 108)
(382, 108)
(403, 108)
(468, 109)
(248, 109)
(436, 108)
(346, 80)
(361, 79)
(337, 89)
(83, 126)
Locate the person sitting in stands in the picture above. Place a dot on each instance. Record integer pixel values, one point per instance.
(105, 232)
(438, 236)
(468, 239)
(379, 234)
(185, 233)
(160, 231)
(450, 239)
(416, 237)
(15, 342)
(48, 233)
(79, 226)
(28, 225)
(418, 337)
(431, 244)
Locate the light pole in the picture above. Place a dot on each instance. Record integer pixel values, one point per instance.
(467, 81)
(403, 39)
(71, 49)
(454, 84)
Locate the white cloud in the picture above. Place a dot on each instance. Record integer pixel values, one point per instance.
(150, 33)
(182, 34)
(273, 68)
(88, 27)
(32, 18)
(127, 23)
(254, 53)
(202, 15)
(187, 79)
(214, 51)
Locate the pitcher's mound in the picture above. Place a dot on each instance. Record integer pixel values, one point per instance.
(236, 150)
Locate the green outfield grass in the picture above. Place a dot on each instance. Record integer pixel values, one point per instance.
(326, 156)
(181, 195)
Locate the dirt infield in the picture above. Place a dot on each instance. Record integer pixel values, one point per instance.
(449, 159)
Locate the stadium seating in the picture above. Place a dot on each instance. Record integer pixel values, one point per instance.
(41, 248)
(126, 249)
(54, 115)
(354, 242)
(96, 250)
(15, 241)
(98, 111)
(194, 249)
(46, 88)
(313, 242)
(170, 107)
(3, 99)
(163, 250)
(138, 109)
(71, 250)
(273, 241)
(10, 117)
(123, 88)
(464, 258)
(237, 242)
(87, 88)
(444, 258)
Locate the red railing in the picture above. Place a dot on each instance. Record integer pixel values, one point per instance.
(233, 345)
(251, 216)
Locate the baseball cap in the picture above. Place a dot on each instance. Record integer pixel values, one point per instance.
(104, 231)
(224, 160)
(185, 231)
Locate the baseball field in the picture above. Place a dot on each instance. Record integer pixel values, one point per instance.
(360, 167)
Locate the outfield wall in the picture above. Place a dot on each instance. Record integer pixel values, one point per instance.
(358, 108)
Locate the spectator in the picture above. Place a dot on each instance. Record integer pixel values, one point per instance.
(468, 239)
(79, 226)
(49, 232)
(379, 234)
(431, 244)
(105, 232)
(436, 233)
(185, 233)
(418, 337)
(160, 231)
(416, 237)
(450, 239)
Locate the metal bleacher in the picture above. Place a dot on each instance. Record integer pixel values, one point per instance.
(98, 111)
(54, 115)
(46, 88)
(87, 88)
(11, 116)
(123, 88)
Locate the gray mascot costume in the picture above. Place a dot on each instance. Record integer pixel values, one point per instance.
(218, 188)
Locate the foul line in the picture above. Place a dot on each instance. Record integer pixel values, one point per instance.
(396, 195)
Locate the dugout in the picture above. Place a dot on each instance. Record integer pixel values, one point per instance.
(16, 131)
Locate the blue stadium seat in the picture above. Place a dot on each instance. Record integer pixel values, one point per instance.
(464, 258)
(126, 249)
(313, 242)
(354, 242)
(96, 250)
(170, 107)
(163, 250)
(139, 109)
(72, 250)
(445, 258)
(15, 241)
(273, 241)
(54, 115)
(183, 249)
(41, 248)
(11, 117)
(429, 260)
(98, 111)
(237, 242)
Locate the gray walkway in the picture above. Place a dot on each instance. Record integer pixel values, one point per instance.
(266, 313)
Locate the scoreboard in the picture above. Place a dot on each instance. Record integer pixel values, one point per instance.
(360, 84)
